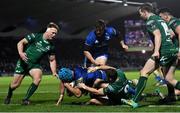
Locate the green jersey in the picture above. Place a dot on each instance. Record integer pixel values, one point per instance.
(173, 23)
(153, 23)
(117, 90)
(37, 47)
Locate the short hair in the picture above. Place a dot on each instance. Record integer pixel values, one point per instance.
(146, 7)
(164, 10)
(53, 25)
(100, 23)
(111, 75)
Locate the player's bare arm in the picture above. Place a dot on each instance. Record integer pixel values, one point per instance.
(124, 46)
(76, 91)
(157, 41)
(53, 65)
(20, 47)
(102, 67)
(90, 89)
(89, 56)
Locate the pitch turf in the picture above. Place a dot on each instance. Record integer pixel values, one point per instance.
(47, 94)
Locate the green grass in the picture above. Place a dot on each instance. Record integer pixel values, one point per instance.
(47, 94)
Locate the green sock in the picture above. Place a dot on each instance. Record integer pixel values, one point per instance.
(10, 92)
(177, 86)
(31, 91)
(140, 87)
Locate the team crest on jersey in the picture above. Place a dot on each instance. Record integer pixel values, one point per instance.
(96, 41)
(48, 47)
(107, 37)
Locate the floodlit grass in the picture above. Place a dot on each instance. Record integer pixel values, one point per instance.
(47, 94)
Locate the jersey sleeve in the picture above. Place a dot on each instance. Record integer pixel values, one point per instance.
(52, 51)
(31, 37)
(108, 89)
(113, 32)
(90, 39)
(175, 23)
(151, 26)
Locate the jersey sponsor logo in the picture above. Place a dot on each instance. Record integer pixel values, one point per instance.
(41, 48)
(17, 71)
(163, 59)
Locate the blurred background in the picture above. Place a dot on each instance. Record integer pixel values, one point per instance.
(77, 18)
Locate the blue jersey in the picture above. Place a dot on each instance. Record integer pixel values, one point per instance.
(99, 45)
(81, 75)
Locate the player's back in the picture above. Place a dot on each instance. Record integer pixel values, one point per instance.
(155, 22)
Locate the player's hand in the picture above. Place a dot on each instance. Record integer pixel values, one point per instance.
(125, 47)
(55, 75)
(81, 85)
(96, 63)
(156, 55)
(91, 69)
(60, 99)
(23, 56)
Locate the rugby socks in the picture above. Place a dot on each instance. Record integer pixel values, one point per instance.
(10, 92)
(31, 91)
(140, 87)
(171, 91)
(177, 86)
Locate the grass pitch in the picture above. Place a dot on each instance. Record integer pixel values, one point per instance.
(47, 94)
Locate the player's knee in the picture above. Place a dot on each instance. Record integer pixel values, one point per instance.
(15, 84)
(143, 73)
(37, 81)
(93, 101)
(78, 95)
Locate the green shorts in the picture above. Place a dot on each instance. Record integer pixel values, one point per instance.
(166, 60)
(116, 91)
(24, 68)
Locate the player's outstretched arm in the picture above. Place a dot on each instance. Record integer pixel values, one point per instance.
(61, 89)
(53, 65)
(124, 46)
(75, 90)
(90, 89)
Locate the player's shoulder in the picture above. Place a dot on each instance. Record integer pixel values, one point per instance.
(34, 35)
(110, 30)
(174, 20)
(152, 20)
(91, 35)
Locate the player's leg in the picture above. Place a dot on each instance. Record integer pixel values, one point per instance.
(98, 101)
(159, 77)
(17, 79)
(170, 78)
(168, 72)
(148, 68)
(177, 92)
(36, 75)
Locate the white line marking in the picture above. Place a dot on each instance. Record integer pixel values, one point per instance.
(36, 92)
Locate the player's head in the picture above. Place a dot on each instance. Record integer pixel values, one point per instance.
(111, 75)
(145, 10)
(65, 74)
(165, 14)
(100, 27)
(52, 30)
